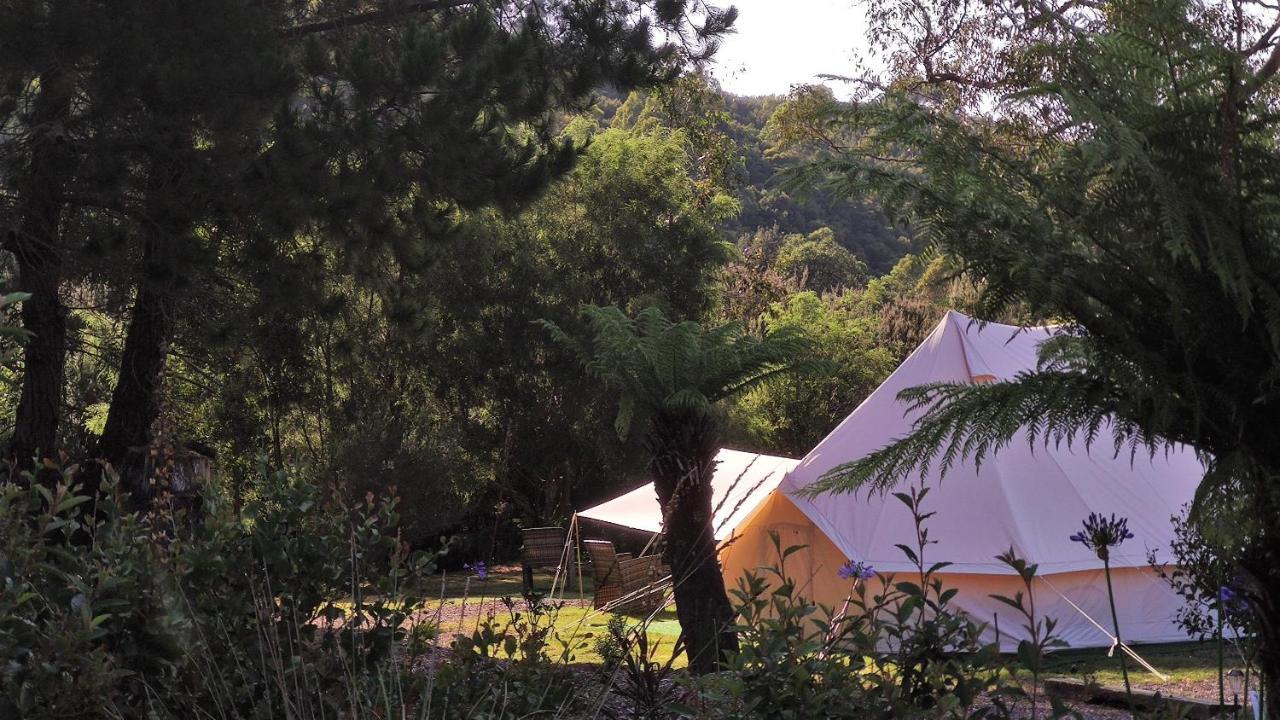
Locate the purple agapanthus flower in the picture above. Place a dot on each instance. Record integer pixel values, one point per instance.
(1232, 601)
(855, 570)
(479, 568)
(1100, 534)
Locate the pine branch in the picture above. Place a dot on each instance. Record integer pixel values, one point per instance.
(371, 17)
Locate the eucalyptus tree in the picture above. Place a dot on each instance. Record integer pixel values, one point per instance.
(668, 378)
(1112, 166)
(148, 146)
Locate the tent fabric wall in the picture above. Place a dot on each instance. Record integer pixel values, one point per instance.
(1145, 604)
(1029, 497)
(740, 482)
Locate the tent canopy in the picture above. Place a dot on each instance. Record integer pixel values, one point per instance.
(1028, 496)
(741, 481)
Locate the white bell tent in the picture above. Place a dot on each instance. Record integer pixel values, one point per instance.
(1028, 496)
(740, 482)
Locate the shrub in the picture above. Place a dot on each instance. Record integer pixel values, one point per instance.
(609, 646)
(505, 668)
(288, 608)
(898, 651)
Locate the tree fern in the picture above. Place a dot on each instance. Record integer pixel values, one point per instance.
(668, 378)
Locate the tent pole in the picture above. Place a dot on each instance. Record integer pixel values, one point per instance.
(577, 546)
(566, 554)
(561, 570)
(653, 538)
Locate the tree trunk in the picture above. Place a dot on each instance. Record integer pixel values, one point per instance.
(683, 458)
(1260, 563)
(35, 433)
(135, 401)
(34, 242)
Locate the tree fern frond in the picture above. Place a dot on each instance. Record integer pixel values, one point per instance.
(962, 421)
(657, 367)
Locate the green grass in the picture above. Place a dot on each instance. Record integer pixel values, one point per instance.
(580, 626)
(1186, 663)
(500, 583)
(585, 626)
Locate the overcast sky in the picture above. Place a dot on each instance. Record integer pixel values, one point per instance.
(780, 43)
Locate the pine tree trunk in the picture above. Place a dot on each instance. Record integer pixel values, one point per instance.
(35, 433)
(34, 242)
(135, 401)
(683, 451)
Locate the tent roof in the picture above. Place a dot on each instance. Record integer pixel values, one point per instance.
(1028, 497)
(741, 481)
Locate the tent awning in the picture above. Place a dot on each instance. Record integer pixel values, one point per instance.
(742, 480)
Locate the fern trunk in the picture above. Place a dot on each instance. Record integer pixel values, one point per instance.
(1269, 642)
(1260, 562)
(683, 448)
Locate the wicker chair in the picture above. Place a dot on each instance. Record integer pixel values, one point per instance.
(543, 549)
(623, 583)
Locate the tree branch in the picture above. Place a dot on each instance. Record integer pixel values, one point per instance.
(1263, 42)
(371, 16)
(1265, 73)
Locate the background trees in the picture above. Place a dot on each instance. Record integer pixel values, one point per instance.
(793, 413)
(339, 271)
(819, 263)
(183, 141)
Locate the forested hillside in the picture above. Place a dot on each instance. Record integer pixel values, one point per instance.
(767, 203)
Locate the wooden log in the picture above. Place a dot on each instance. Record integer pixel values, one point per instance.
(1078, 690)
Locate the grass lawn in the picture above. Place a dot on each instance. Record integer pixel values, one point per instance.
(462, 600)
(1192, 667)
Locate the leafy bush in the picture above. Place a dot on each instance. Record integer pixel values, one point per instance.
(1220, 601)
(294, 609)
(786, 667)
(288, 608)
(609, 646)
(505, 669)
(1206, 575)
(898, 651)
